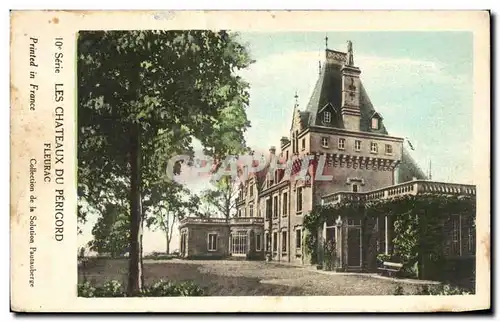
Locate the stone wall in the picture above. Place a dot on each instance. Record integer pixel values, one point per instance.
(198, 241)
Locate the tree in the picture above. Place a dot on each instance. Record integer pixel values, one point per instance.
(222, 199)
(111, 232)
(177, 204)
(142, 97)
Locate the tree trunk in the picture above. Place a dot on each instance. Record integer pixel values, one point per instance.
(135, 270)
(168, 242)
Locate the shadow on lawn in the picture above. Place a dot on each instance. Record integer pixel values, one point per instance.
(100, 271)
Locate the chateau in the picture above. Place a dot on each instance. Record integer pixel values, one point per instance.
(344, 139)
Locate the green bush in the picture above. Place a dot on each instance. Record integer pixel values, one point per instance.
(442, 290)
(329, 255)
(86, 289)
(161, 288)
(383, 257)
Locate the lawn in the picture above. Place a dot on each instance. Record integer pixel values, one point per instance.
(245, 278)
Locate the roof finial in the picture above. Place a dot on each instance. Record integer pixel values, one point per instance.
(326, 42)
(350, 57)
(296, 99)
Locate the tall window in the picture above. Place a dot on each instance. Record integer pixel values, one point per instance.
(471, 240)
(327, 117)
(275, 209)
(357, 145)
(354, 188)
(275, 242)
(388, 149)
(324, 142)
(258, 242)
(239, 244)
(341, 143)
(298, 238)
(267, 240)
(251, 210)
(269, 208)
(251, 190)
(239, 212)
(285, 203)
(303, 143)
(375, 123)
(374, 147)
(283, 242)
(299, 199)
(455, 235)
(212, 242)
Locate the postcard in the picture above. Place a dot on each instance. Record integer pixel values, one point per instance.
(250, 161)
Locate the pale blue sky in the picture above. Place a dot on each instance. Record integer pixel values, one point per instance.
(420, 82)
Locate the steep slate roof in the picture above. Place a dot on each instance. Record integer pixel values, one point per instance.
(328, 90)
(408, 169)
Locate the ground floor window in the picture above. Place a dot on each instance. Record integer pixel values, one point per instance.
(268, 241)
(239, 243)
(275, 242)
(183, 243)
(461, 236)
(258, 242)
(298, 238)
(212, 242)
(283, 242)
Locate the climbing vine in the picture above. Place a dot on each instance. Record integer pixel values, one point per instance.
(418, 223)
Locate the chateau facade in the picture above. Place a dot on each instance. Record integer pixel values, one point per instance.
(341, 137)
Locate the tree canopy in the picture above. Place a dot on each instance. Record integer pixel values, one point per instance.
(143, 96)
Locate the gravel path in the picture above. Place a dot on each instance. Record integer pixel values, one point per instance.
(244, 278)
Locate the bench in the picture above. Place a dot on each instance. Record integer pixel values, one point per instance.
(390, 268)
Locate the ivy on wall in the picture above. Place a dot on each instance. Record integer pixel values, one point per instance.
(418, 223)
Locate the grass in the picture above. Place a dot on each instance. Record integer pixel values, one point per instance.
(244, 278)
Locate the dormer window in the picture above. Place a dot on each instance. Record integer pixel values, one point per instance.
(376, 119)
(327, 117)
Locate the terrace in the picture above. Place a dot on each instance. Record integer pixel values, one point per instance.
(414, 187)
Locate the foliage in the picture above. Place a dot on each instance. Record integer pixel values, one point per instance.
(384, 257)
(443, 290)
(113, 288)
(143, 96)
(417, 219)
(111, 231)
(164, 214)
(329, 255)
(222, 198)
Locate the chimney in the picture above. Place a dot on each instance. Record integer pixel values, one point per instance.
(351, 84)
(284, 141)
